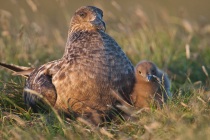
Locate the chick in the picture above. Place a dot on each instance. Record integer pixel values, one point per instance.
(152, 84)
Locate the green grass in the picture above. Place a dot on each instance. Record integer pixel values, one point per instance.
(29, 39)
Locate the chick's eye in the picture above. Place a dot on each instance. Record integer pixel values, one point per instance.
(82, 14)
(153, 72)
(139, 72)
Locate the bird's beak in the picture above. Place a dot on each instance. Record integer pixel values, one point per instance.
(149, 77)
(99, 24)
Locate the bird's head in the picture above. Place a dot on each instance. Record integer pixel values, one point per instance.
(146, 71)
(87, 18)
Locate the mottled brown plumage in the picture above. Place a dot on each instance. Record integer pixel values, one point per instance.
(152, 84)
(92, 66)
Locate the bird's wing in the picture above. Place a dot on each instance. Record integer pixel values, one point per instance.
(18, 70)
(24, 73)
(165, 81)
(40, 81)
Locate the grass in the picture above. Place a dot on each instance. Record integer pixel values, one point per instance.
(178, 46)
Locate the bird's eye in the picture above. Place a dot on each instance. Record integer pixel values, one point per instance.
(153, 72)
(139, 72)
(82, 14)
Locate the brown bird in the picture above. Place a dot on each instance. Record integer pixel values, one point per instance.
(93, 65)
(152, 84)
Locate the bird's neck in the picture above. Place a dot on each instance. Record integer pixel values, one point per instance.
(79, 39)
(82, 28)
(148, 87)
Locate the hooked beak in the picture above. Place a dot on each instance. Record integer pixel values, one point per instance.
(99, 24)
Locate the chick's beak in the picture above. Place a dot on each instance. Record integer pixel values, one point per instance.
(99, 24)
(149, 77)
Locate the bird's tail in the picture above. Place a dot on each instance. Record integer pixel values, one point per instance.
(18, 70)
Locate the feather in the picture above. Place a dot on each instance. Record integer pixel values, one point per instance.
(18, 70)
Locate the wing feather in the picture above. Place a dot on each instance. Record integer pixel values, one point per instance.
(40, 80)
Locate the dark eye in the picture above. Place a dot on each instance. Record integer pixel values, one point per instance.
(82, 14)
(153, 72)
(139, 72)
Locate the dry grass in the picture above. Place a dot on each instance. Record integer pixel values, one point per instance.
(178, 46)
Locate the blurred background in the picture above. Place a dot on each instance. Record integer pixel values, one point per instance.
(173, 34)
